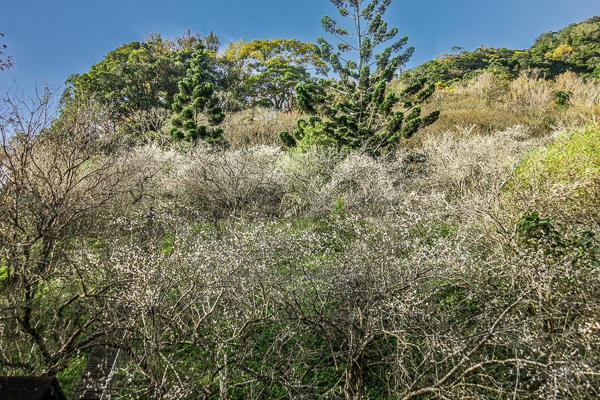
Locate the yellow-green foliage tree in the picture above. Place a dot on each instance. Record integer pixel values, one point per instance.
(242, 61)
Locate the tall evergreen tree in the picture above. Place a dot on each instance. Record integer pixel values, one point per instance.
(196, 97)
(357, 110)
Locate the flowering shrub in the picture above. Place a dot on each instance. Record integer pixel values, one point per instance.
(251, 273)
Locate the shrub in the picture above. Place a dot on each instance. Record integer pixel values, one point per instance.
(232, 182)
(562, 179)
(419, 274)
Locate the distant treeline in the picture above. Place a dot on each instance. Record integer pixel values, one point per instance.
(575, 48)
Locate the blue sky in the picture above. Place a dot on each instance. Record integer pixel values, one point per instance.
(52, 39)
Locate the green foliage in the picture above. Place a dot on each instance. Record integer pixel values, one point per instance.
(132, 77)
(339, 208)
(562, 97)
(359, 111)
(212, 42)
(166, 245)
(575, 155)
(141, 77)
(266, 71)
(565, 176)
(462, 65)
(275, 84)
(69, 377)
(545, 234)
(575, 48)
(195, 100)
(4, 272)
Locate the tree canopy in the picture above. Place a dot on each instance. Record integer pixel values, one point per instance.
(262, 71)
(133, 77)
(575, 48)
(276, 83)
(246, 58)
(139, 76)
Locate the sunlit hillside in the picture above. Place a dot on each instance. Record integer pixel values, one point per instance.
(322, 246)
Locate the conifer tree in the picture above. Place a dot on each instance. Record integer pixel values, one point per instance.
(358, 112)
(196, 97)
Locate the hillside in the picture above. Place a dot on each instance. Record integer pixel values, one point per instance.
(187, 223)
(575, 48)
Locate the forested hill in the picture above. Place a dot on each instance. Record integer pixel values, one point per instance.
(575, 48)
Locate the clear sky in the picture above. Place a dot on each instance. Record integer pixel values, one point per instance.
(51, 39)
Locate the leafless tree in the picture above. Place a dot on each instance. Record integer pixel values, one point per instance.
(5, 60)
(59, 175)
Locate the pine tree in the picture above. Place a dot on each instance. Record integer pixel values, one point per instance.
(357, 110)
(196, 97)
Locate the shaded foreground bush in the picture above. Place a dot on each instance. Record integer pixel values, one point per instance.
(251, 273)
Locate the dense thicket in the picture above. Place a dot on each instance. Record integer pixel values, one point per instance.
(451, 268)
(462, 263)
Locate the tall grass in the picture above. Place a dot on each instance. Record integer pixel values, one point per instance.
(489, 103)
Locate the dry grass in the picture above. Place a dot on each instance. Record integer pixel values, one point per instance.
(530, 93)
(257, 126)
(585, 93)
(491, 104)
